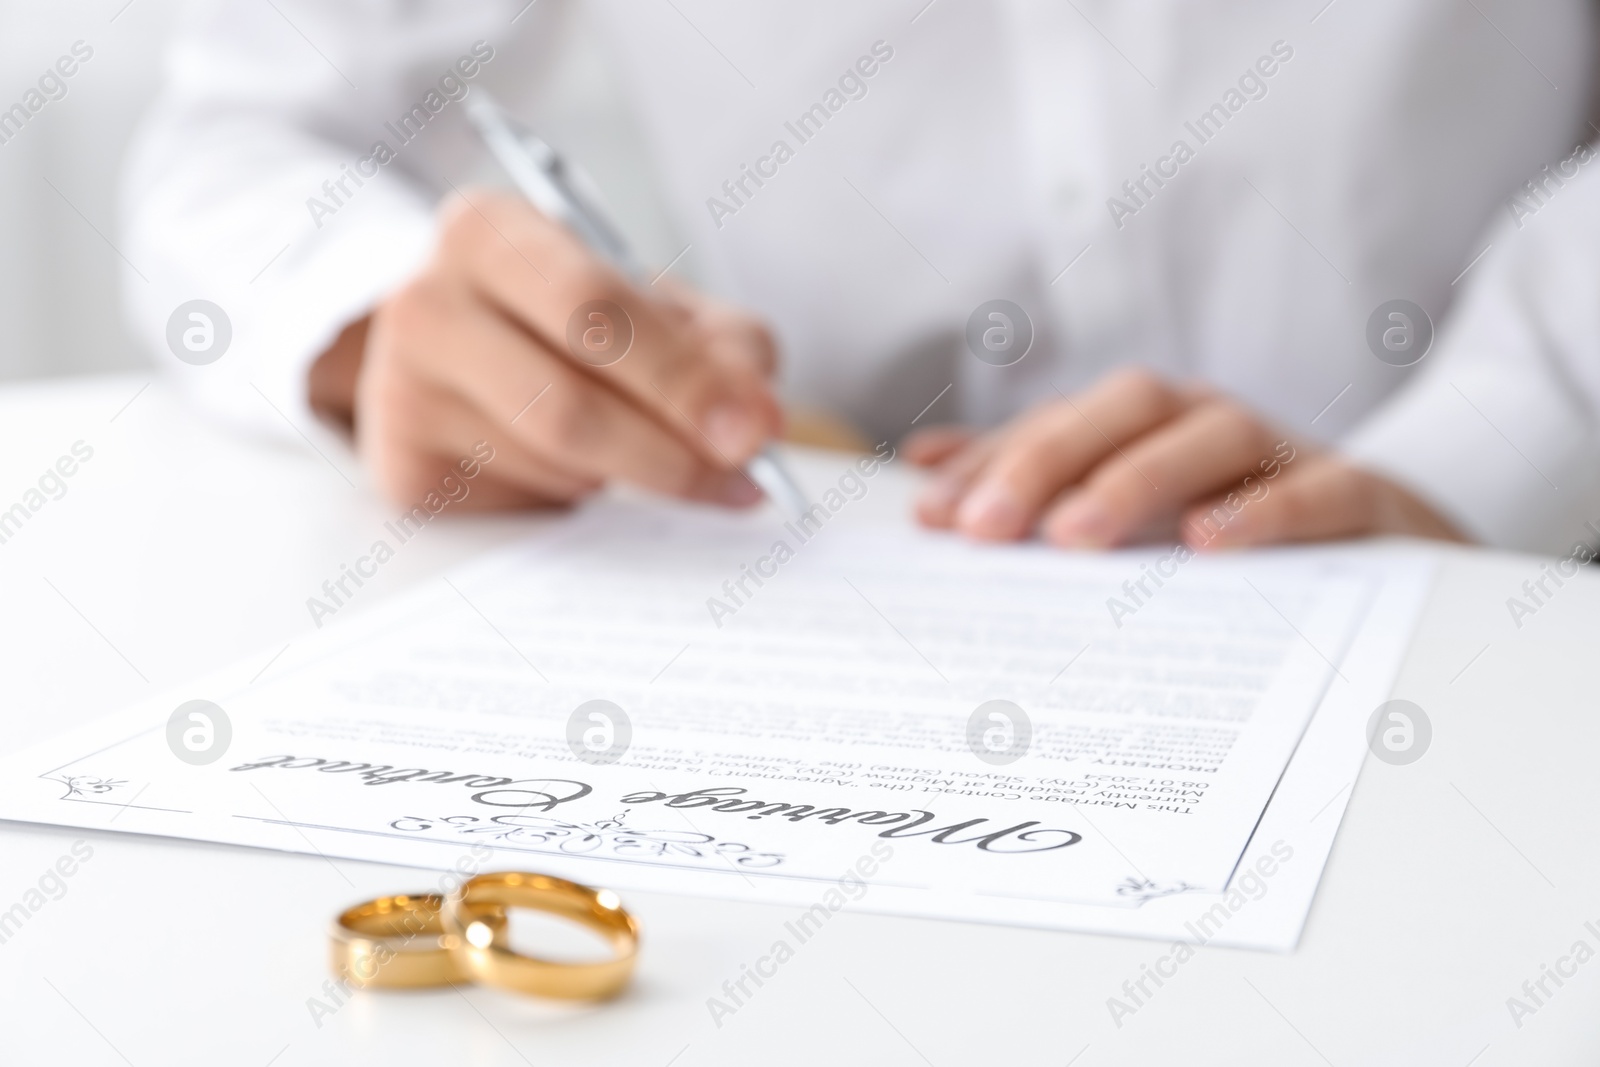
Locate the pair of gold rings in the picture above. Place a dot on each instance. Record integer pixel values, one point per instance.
(412, 941)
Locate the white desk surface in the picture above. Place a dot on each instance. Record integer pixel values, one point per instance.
(1453, 881)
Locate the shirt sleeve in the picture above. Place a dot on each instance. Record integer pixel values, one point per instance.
(1498, 429)
(256, 183)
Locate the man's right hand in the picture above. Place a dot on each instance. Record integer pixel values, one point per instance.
(475, 348)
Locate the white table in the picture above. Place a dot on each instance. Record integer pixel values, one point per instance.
(177, 548)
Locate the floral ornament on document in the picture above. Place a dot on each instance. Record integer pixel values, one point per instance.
(79, 785)
(611, 835)
(1140, 890)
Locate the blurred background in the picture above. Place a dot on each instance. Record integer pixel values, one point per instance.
(59, 278)
(60, 272)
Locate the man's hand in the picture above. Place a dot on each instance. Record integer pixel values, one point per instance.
(476, 347)
(1138, 458)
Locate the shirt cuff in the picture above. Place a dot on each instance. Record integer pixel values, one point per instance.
(1497, 430)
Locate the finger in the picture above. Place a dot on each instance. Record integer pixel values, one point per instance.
(490, 493)
(726, 331)
(1321, 498)
(1203, 450)
(1058, 444)
(719, 408)
(588, 427)
(552, 409)
(733, 335)
(422, 433)
(934, 445)
(522, 486)
(941, 495)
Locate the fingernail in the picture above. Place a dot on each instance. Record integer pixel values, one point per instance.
(732, 431)
(738, 491)
(1082, 522)
(991, 511)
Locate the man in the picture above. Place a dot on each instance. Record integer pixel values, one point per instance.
(1228, 227)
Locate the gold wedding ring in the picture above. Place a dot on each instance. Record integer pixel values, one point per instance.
(400, 942)
(470, 913)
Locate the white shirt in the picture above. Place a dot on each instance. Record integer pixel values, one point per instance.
(1332, 160)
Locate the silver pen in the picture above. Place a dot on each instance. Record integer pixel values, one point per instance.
(542, 176)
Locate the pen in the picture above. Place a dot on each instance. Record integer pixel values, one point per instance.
(542, 176)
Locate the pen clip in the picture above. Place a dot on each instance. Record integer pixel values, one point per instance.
(557, 188)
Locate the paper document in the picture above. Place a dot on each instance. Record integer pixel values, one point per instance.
(657, 697)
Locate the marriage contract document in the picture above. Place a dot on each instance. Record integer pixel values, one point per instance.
(656, 697)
